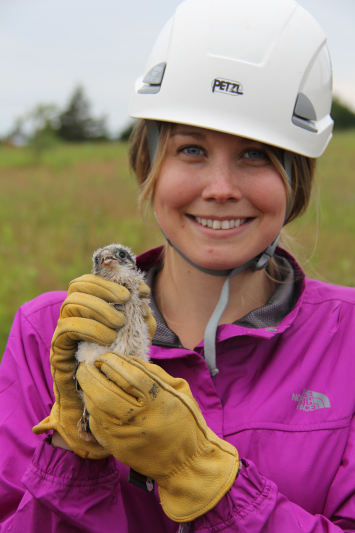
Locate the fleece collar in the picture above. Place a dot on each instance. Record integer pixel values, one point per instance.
(268, 317)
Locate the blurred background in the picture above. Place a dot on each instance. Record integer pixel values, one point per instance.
(68, 63)
(50, 47)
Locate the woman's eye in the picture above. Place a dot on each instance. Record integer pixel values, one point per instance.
(255, 155)
(192, 150)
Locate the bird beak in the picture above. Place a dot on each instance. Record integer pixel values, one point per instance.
(107, 258)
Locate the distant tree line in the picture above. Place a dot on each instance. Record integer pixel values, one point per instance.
(73, 124)
(344, 118)
(126, 132)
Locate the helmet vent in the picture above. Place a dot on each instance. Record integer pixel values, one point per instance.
(153, 80)
(304, 114)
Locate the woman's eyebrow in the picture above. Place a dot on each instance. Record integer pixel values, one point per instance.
(187, 133)
(200, 136)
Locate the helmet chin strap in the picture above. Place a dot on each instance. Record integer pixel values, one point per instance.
(257, 263)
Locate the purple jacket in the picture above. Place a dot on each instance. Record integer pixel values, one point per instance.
(284, 397)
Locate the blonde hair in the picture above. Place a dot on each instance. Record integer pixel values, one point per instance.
(303, 169)
(139, 160)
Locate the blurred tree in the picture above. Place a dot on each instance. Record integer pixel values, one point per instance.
(343, 117)
(36, 129)
(43, 136)
(75, 123)
(16, 137)
(125, 134)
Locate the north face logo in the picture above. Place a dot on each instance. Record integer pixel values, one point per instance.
(310, 401)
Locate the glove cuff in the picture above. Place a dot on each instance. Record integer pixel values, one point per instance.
(201, 484)
(91, 451)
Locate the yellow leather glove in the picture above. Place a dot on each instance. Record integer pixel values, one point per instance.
(151, 422)
(86, 314)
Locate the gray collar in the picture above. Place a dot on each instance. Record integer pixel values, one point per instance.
(270, 315)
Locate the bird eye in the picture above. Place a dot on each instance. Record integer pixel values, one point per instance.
(122, 255)
(97, 260)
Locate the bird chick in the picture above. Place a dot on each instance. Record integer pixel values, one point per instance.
(116, 262)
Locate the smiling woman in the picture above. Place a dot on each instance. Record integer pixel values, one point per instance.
(222, 178)
(216, 180)
(147, 174)
(243, 417)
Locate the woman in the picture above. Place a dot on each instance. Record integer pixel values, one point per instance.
(247, 427)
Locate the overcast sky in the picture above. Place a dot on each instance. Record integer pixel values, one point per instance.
(47, 47)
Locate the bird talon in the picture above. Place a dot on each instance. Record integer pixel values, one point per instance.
(84, 427)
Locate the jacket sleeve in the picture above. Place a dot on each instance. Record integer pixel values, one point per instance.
(255, 504)
(43, 488)
(70, 493)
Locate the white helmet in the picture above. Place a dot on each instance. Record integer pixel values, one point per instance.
(257, 68)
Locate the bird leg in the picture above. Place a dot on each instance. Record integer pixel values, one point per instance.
(84, 427)
(83, 424)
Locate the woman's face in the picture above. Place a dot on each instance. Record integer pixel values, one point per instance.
(218, 197)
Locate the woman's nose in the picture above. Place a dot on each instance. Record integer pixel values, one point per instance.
(222, 183)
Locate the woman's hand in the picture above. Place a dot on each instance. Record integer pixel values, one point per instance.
(59, 442)
(86, 314)
(151, 422)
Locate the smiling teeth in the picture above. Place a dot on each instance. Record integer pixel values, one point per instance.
(221, 224)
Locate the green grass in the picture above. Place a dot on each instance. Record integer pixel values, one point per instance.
(81, 197)
(324, 236)
(54, 215)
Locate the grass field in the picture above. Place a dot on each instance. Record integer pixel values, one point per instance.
(54, 215)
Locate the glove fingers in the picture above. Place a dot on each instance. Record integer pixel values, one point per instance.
(151, 324)
(128, 373)
(135, 388)
(70, 331)
(129, 379)
(107, 395)
(149, 320)
(99, 287)
(87, 306)
(143, 290)
(128, 366)
(151, 379)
